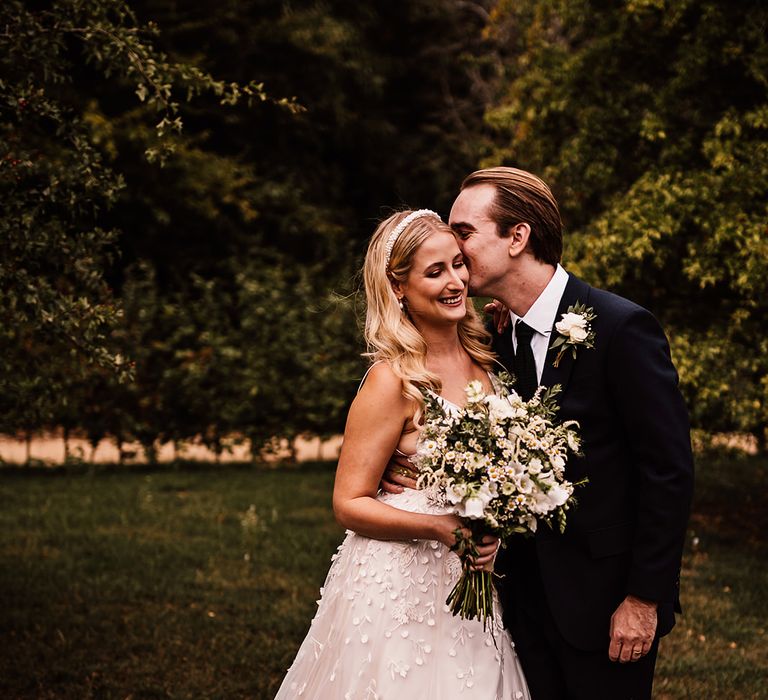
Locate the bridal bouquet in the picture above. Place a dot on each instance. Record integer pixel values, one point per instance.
(499, 463)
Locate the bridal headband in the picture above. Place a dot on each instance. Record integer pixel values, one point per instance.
(402, 226)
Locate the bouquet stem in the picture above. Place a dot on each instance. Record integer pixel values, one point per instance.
(472, 596)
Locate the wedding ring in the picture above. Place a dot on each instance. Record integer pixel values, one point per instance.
(637, 652)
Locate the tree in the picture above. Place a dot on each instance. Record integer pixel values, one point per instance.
(301, 353)
(651, 121)
(228, 269)
(56, 307)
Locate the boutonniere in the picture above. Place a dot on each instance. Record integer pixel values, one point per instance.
(574, 330)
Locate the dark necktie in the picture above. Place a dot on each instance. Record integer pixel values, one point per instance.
(525, 365)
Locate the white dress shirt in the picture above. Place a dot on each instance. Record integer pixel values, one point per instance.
(541, 317)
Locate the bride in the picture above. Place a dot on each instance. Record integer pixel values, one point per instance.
(382, 630)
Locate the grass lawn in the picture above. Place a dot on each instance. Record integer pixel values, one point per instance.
(201, 582)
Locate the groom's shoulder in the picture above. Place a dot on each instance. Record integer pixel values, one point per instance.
(611, 306)
(615, 304)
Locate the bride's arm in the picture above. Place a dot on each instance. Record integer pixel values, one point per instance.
(374, 426)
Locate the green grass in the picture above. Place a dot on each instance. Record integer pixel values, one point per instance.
(137, 585)
(148, 585)
(718, 649)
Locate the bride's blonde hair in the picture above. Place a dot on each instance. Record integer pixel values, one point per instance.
(390, 333)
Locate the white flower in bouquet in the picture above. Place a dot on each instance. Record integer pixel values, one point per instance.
(455, 493)
(474, 506)
(500, 409)
(475, 392)
(430, 447)
(558, 495)
(476, 461)
(558, 463)
(525, 484)
(574, 444)
(535, 466)
(531, 523)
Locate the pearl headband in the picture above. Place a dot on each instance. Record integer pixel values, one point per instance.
(402, 226)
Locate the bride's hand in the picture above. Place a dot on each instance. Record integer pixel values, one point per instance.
(500, 315)
(445, 529)
(486, 548)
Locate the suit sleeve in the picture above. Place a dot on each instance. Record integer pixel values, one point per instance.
(656, 426)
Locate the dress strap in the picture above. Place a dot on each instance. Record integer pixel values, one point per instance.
(501, 366)
(365, 376)
(495, 384)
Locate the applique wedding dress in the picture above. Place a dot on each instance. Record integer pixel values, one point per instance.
(382, 630)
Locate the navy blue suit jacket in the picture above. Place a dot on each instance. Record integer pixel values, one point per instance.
(627, 532)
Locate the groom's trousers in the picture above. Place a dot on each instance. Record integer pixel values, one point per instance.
(554, 669)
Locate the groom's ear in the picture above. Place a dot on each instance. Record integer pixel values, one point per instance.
(518, 239)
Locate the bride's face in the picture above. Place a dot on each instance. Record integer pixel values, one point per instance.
(436, 288)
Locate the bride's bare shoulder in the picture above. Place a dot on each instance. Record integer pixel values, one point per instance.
(380, 397)
(382, 380)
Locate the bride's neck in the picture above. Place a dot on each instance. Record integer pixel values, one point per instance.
(442, 342)
(444, 350)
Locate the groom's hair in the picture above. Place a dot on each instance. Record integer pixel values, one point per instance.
(521, 197)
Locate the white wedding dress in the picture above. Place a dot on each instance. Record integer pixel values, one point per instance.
(383, 632)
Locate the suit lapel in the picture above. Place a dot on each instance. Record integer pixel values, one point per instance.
(575, 290)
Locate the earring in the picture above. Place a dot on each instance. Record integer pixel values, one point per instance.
(400, 303)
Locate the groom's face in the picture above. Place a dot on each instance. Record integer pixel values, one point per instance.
(485, 252)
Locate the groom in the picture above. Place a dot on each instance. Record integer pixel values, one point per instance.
(586, 609)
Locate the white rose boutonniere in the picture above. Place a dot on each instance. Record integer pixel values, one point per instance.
(574, 329)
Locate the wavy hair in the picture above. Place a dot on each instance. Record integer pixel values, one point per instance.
(390, 333)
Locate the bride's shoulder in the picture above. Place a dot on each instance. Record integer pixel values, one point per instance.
(381, 378)
(381, 393)
(382, 375)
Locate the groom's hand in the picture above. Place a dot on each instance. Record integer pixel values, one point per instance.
(398, 475)
(633, 628)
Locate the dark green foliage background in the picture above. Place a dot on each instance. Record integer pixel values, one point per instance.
(187, 188)
(650, 119)
(181, 237)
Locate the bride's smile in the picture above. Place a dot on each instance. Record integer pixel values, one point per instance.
(436, 288)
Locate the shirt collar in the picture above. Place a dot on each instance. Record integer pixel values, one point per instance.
(541, 316)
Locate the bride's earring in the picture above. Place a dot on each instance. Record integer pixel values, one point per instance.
(400, 303)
